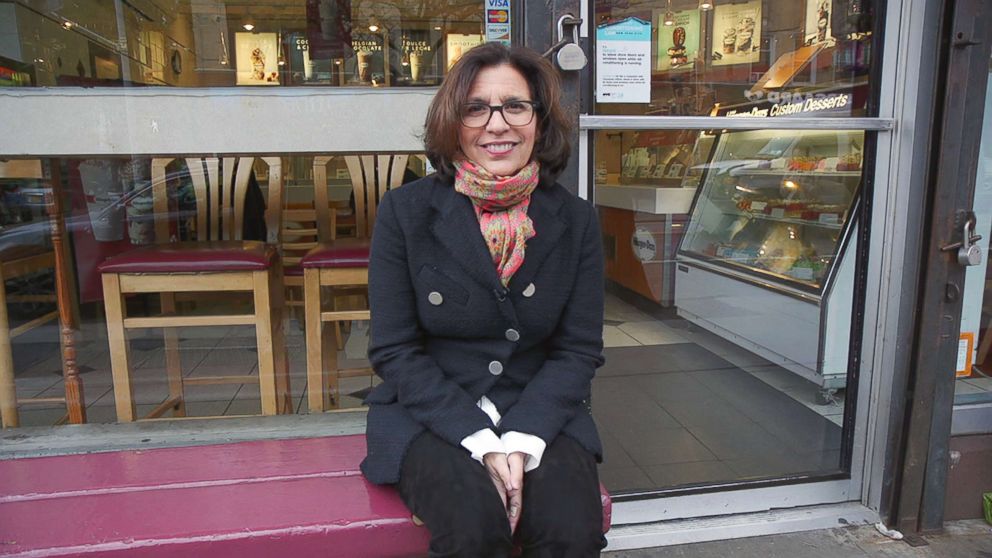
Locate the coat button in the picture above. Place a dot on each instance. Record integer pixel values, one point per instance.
(495, 368)
(435, 298)
(529, 291)
(512, 335)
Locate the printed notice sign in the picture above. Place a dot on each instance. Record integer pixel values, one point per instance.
(623, 62)
(966, 347)
(498, 21)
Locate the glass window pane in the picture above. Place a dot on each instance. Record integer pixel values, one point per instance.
(760, 57)
(187, 43)
(730, 264)
(110, 207)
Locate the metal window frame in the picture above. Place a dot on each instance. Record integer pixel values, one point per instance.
(899, 172)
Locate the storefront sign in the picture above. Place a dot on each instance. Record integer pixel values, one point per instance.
(678, 44)
(498, 21)
(817, 21)
(456, 45)
(623, 62)
(736, 34)
(257, 58)
(796, 105)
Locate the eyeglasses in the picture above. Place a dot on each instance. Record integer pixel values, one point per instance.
(515, 113)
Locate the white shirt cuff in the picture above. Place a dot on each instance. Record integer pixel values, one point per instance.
(526, 443)
(482, 442)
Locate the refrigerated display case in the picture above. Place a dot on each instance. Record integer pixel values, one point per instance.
(766, 260)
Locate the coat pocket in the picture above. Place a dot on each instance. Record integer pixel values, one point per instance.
(432, 280)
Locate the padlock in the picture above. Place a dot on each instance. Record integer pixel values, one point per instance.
(570, 57)
(969, 254)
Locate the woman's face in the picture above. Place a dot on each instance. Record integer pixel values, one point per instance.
(500, 148)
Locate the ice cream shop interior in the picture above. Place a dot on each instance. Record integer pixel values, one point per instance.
(737, 251)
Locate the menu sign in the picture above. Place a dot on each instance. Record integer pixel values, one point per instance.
(736, 33)
(678, 44)
(368, 65)
(456, 45)
(417, 53)
(817, 21)
(257, 58)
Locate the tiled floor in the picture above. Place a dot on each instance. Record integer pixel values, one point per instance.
(675, 404)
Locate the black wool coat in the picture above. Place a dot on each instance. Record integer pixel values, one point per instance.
(445, 331)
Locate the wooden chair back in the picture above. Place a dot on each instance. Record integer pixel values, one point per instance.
(371, 177)
(220, 186)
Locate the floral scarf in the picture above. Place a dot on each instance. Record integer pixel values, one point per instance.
(501, 204)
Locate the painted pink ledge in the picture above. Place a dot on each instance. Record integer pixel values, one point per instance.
(301, 498)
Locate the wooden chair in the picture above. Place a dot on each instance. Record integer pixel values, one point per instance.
(338, 263)
(21, 261)
(219, 261)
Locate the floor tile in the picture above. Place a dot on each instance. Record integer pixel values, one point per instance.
(614, 455)
(625, 478)
(617, 401)
(650, 446)
(670, 386)
(678, 474)
(614, 337)
(981, 382)
(619, 311)
(652, 333)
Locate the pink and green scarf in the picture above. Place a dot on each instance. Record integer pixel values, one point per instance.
(501, 204)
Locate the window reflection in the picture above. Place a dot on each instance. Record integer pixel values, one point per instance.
(191, 43)
(807, 57)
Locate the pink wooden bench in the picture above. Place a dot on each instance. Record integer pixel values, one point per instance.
(300, 497)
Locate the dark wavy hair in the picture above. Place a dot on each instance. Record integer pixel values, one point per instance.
(444, 119)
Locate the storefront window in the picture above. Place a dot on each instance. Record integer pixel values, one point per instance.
(730, 264)
(111, 207)
(185, 43)
(755, 58)
(974, 366)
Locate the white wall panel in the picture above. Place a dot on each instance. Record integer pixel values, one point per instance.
(171, 120)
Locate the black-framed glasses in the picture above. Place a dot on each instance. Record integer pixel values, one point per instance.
(515, 113)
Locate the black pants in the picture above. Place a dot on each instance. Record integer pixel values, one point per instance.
(454, 496)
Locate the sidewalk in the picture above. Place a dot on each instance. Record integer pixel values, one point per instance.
(961, 539)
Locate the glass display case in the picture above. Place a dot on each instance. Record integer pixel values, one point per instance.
(776, 204)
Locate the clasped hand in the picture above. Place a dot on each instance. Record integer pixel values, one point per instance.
(507, 473)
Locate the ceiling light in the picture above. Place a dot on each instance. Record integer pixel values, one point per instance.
(373, 27)
(669, 18)
(248, 26)
(39, 60)
(437, 27)
(67, 24)
(705, 5)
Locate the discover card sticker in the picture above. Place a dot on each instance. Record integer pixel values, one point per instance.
(623, 61)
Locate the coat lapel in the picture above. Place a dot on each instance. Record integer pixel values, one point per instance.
(548, 226)
(458, 231)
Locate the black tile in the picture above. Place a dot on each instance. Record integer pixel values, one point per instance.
(678, 357)
(617, 401)
(625, 478)
(650, 446)
(739, 439)
(673, 386)
(679, 474)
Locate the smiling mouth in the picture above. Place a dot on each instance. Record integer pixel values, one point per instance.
(499, 148)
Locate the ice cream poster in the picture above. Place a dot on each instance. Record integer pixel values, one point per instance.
(257, 58)
(623, 61)
(736, 34)
(817, 21)
(678, 44)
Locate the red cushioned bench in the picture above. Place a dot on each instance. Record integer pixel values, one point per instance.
(298, 497)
